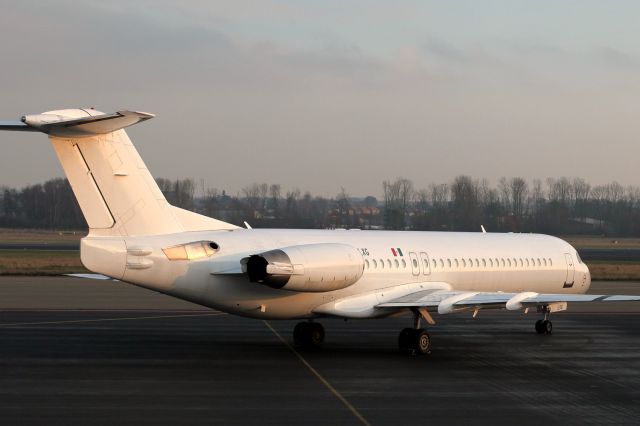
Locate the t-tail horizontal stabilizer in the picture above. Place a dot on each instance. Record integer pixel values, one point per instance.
(59, 125)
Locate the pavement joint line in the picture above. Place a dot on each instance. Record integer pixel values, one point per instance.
(322, 380)
(22, 324)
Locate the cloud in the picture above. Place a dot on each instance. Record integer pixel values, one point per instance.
(233, 109)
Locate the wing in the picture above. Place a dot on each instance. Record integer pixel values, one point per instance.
(458, 301)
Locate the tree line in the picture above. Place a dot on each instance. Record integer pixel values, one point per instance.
(557, 206)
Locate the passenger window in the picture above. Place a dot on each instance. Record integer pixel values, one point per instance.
(426, 264)
(544, 261)
(457, 263)
(527, 261)
(491, 262)
(404, 263)
(397, 263)
(484, 262)
(366, 263)
(449, 262)
(464, 263)
(375, 264)
(538, 261)
(415, 263)
(441, 263)
(503, 263)
(550, 262)
(509, 262)
(389, 263)
(381, 264)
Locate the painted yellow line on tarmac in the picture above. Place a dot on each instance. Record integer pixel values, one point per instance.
(22, 324)
(324, 381)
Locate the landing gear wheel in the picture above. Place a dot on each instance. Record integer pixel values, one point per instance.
(422, 342)
(300, 332)
(415, 341)
(316, 335)
(308, 334)
(544, 327)
(404, 340)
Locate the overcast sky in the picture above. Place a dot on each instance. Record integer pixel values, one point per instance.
(324, 94)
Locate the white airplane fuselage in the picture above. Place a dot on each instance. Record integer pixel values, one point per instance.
(394, 263)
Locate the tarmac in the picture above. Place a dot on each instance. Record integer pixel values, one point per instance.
(76, 351)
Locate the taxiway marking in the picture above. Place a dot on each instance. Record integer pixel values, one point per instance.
(324, 381)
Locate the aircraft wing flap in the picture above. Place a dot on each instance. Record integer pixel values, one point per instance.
(457, 301)
(551, 298)
(419, 299)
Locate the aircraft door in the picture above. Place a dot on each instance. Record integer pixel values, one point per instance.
(571, 270)
(415, 264)
(426, 265)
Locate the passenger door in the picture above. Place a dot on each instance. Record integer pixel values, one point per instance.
(415, 265)
(426, 265)
(571, 271)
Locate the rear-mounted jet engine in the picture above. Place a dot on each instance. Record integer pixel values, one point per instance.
(307, 268)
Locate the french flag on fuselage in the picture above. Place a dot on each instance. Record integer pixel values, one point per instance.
(396, 252)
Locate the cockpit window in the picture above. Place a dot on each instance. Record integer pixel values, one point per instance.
(578, 257)
(191, 251)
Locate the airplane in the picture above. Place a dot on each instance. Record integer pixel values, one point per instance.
(137, 237)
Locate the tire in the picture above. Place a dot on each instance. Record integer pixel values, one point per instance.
(539, 327)
(315, 335)
(547, 327)
(301, 333)
(404, 340)
(422, 342)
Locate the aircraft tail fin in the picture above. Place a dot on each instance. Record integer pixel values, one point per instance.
(116, 192)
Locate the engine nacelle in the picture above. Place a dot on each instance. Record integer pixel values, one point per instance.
(308, 268)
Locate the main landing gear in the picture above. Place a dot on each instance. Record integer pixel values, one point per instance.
(415, 340)
(544, 326)
(308, 334)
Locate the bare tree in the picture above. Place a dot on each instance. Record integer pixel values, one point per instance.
(466, 206)
(519, 193)
(274, 196)
(397, 197)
